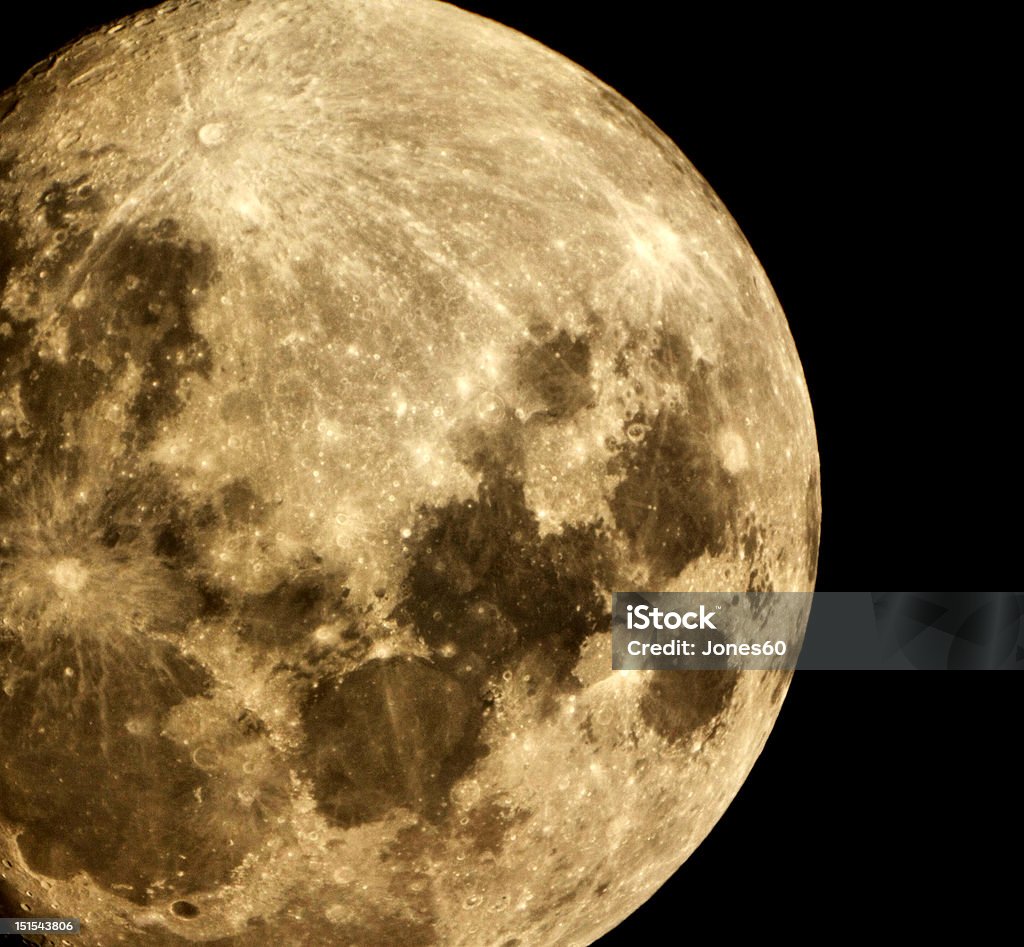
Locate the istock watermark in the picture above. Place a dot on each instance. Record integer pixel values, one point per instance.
(818, 631)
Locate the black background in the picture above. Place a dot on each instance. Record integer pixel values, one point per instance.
(860, 152)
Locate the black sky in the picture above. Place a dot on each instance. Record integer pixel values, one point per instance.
(860, 152)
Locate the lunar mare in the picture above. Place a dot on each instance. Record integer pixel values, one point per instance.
(351, 355)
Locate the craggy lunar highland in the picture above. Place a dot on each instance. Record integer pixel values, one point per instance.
(351, 354)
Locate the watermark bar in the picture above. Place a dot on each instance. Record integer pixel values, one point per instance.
(817, 631)
(39, 925)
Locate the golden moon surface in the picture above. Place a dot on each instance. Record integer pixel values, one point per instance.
(351, 354)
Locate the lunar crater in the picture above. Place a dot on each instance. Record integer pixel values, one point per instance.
(325, 436)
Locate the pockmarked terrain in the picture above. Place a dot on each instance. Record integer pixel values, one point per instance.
(351, 355)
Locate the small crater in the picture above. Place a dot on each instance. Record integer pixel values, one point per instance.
(212, 134)
(69, 575)
(732, 450)
(63, 202)
(185, 909)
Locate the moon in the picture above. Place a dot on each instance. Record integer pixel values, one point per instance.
(351, 354)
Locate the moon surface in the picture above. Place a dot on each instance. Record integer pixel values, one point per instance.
(351, 354)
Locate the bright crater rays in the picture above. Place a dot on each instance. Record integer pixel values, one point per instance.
(351, 354)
